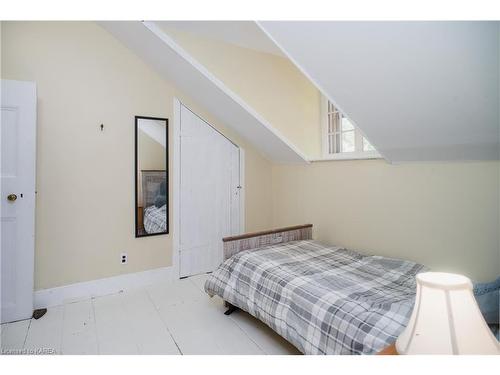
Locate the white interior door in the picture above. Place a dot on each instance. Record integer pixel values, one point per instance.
(18, 155)
(209, 194)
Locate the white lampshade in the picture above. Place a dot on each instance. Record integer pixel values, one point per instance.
(446, 319)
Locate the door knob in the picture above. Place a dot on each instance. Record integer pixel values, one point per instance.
(11, 197)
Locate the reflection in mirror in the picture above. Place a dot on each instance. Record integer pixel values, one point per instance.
(151, 171)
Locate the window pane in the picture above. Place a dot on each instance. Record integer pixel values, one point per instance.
(346, 124)
(336, 122)
(367, 146)
(348, 141)
(342, 135)
(337, 143)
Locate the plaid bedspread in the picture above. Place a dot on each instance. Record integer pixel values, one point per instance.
(155, 219)
(324, 300)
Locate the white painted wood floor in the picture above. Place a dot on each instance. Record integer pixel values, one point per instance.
(169, 318)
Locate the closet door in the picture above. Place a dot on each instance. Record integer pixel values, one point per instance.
(208, 209)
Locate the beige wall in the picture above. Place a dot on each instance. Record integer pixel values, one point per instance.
(270, 84)
(443, 215)
(85, 177)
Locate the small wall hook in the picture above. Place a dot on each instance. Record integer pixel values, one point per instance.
(102, 127)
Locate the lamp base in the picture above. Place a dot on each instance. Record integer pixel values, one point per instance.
(390, 350)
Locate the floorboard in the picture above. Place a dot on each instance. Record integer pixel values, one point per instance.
(168, 318)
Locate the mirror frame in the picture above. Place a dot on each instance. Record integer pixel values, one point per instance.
(136, 170)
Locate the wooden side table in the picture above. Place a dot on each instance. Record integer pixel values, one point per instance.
(390, 350)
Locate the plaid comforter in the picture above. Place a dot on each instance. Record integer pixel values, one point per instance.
(324, 300)
(155, 219)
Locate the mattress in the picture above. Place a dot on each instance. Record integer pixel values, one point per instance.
(322, 299)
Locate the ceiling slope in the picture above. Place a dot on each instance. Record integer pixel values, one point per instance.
(173, 63)
(245, 34)
(420, 91)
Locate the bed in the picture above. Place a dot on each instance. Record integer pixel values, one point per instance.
(154, 200)
(322, 299)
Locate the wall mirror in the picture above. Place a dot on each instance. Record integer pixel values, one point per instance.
(151, 176)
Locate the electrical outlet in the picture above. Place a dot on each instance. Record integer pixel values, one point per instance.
(123, 258)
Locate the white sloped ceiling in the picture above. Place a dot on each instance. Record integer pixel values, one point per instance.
(420, 91)
(173, 63)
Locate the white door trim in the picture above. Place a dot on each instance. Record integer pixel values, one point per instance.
(242, 190)
(176, 186)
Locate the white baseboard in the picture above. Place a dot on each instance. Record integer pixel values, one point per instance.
(101, 287)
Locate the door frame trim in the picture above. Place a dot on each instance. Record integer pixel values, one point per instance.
(176, 166)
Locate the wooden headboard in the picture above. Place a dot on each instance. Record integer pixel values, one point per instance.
(235, 244)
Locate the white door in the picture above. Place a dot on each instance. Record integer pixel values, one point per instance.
(209, 194)
(18, 154)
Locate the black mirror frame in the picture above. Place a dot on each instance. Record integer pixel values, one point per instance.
(136, 128)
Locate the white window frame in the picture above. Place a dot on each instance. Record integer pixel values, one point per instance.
(358, 140)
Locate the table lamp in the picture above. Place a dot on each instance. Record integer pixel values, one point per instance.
(446, 319)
